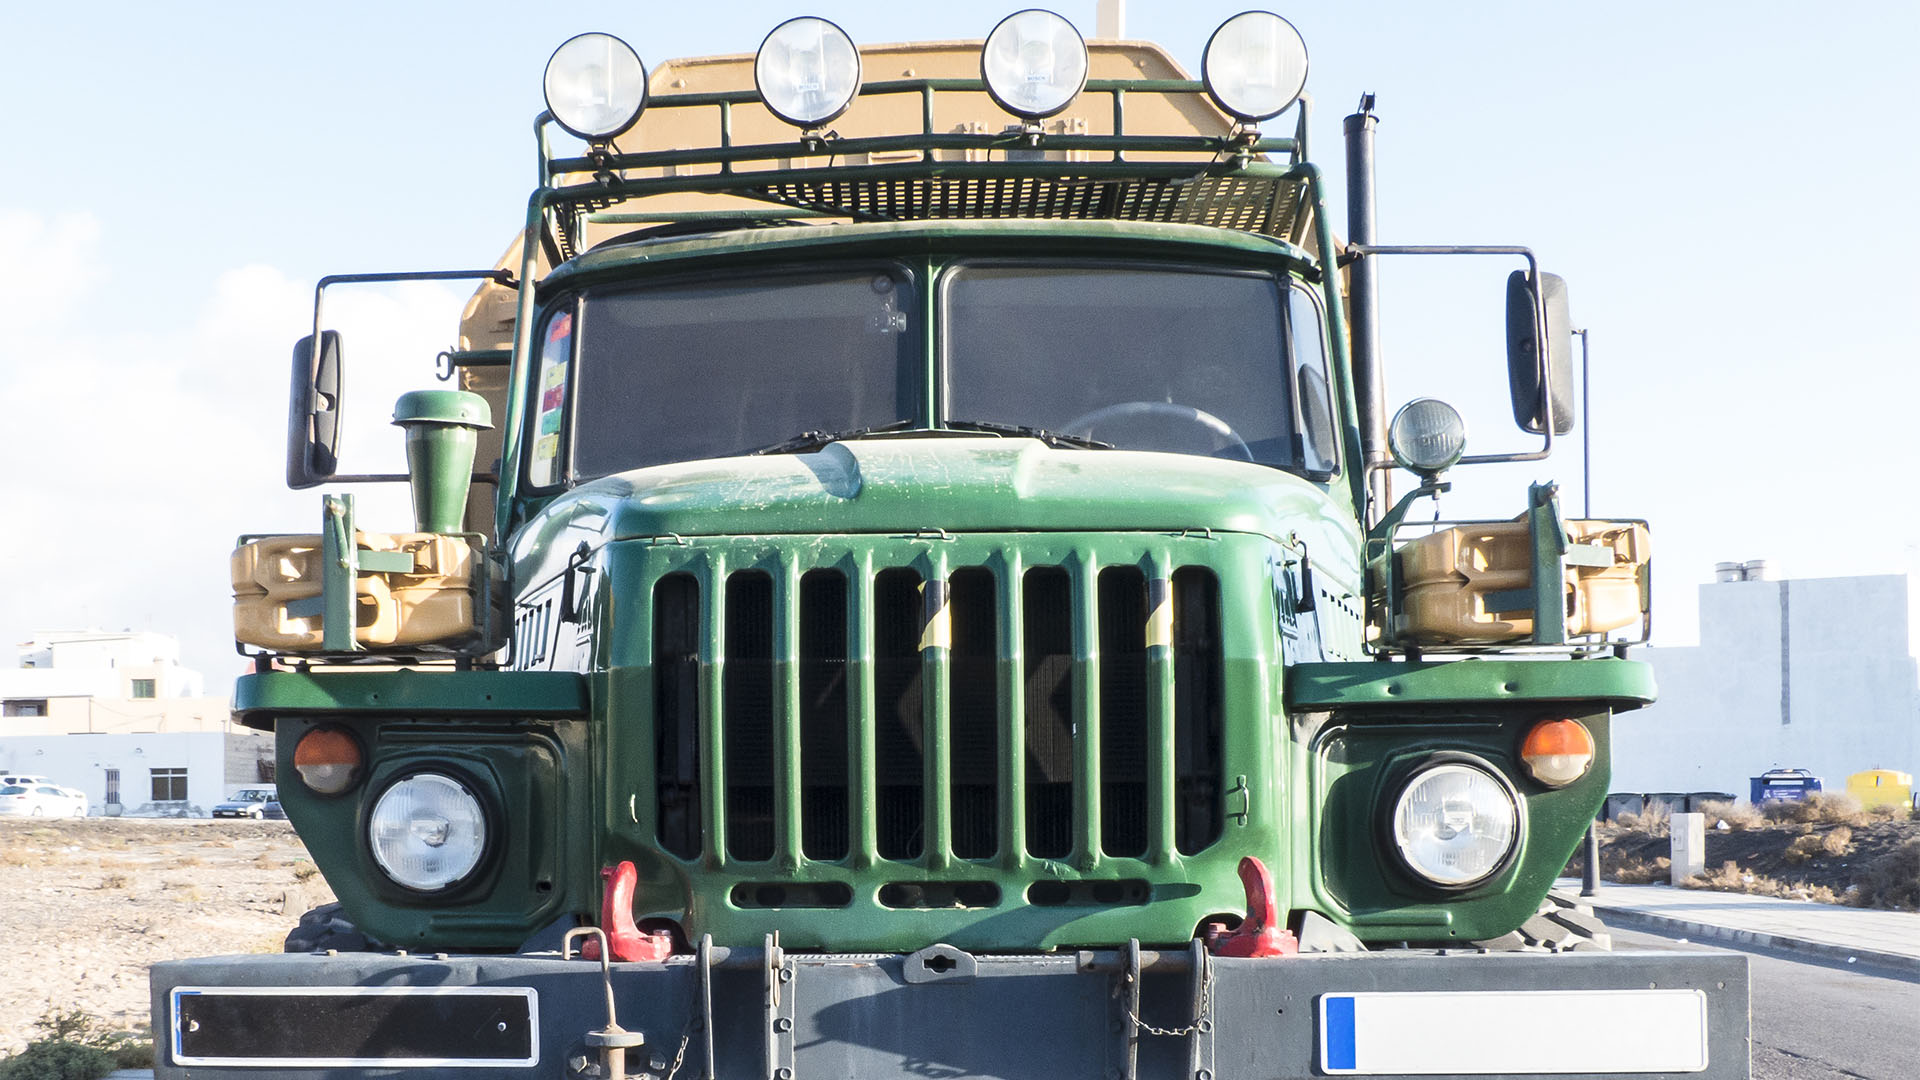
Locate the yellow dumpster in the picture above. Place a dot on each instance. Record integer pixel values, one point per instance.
(1881, 787)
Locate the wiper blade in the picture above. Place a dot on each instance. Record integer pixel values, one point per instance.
(809, 441)
(1051, 438)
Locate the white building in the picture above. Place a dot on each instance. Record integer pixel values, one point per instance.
(116, 716)
(1814, 674)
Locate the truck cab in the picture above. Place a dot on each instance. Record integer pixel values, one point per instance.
(915, 523)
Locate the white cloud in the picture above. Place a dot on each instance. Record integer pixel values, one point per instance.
(133, 459)
(46, 265)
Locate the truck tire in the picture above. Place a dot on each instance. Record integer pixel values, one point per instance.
(326, 928)
(1561, 925)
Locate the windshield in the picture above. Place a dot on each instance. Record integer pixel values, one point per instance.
(1175, 360)
(713, 368)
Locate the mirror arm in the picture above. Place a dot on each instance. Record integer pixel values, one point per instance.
(1359, 251)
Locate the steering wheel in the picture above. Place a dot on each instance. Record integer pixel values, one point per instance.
(1128, 410)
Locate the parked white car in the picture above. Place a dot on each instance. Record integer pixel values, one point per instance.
(41, 800)
(22, 779)
(247, 802)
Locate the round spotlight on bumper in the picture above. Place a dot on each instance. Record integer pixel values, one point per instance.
(595, 86)
(807, 72)
(1427, 436)
(427, 832)
(1034, 63)
(1255, 65)
(1455, 825)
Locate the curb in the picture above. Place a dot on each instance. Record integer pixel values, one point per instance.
(1708, 931)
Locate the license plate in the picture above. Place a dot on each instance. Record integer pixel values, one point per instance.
(356, 1026)
(1513, 1031)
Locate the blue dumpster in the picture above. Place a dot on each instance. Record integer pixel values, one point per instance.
(1783, 785)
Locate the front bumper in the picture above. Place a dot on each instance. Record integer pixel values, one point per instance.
(1110, 1015)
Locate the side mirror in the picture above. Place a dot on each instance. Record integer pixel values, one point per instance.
(1526, 358)
(313, 412)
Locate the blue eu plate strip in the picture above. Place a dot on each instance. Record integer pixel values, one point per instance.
(1337, 1014)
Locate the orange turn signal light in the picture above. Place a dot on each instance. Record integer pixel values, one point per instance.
(328, 760)
(1558, 752)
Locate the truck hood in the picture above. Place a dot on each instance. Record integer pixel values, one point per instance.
(912, 484)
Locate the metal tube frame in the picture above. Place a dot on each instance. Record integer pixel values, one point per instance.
(1363, 251)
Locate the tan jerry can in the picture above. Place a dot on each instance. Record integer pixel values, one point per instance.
(431, 603)
(1473, 584)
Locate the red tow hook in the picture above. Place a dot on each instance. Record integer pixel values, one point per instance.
(626, 941)
(1257, 936)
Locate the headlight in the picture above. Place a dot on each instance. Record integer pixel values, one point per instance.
(1427, 436)
(1255, 65)
(807, 71)
(1034, 63)
(595, 86)
(1455, 824)
(427, 831)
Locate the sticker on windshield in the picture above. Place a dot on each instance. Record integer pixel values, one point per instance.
(555, 354)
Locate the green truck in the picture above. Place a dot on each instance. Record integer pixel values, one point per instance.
(907, 582)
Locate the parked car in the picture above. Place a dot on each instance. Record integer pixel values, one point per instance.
(273, 811)
(41, 800)
(246, 802)
(22, 779)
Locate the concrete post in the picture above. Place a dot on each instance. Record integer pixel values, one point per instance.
(1689, 835)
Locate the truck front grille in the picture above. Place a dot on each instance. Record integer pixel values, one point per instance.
(993, 713)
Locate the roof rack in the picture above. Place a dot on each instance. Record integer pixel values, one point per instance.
(1237, 180)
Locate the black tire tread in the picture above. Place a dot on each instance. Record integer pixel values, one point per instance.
(1561, 925)
(327, 928)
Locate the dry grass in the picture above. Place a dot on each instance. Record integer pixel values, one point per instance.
(304, 871)
(1893, 880)
(1735, 815)
(1804, 848)
(1824, 808)
(1731, 878)
(1640, 871)
(1838, 841)
(116, 881)
(217, 843)
(1654, 821)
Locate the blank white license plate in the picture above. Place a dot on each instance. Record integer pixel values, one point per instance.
(1514, 1031)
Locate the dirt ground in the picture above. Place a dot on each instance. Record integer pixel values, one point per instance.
(87, 905)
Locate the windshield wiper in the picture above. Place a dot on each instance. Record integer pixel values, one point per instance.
(809, 441)
(1051, 438)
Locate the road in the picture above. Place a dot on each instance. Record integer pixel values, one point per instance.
(1815, 1020)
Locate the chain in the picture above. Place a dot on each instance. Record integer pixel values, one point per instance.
(680, 1055)
(1206, 1007)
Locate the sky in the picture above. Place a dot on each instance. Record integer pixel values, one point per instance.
(1730, 191)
